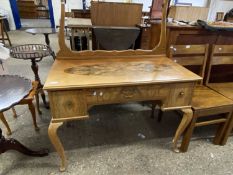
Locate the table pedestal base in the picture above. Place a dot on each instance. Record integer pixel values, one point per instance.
(12, 144)
(40, 90)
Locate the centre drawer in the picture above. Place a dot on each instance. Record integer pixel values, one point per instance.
(171, 95)
(126, 94)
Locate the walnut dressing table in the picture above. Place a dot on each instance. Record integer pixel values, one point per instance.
(79, 80)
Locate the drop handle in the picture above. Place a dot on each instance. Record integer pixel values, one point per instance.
(181, 93)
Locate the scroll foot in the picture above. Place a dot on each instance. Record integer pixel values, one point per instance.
(52, 131)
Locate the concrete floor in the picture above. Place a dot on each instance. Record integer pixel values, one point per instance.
(117, 139)
(29, 23)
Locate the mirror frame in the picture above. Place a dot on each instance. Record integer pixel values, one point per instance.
(66, 53)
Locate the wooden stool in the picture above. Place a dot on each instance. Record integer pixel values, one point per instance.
(3, 32)
(29, 101)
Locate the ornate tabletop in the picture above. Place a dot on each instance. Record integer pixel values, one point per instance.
(13, 89)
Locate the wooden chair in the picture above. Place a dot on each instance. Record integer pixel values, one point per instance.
(115, 38)
(222, 55)
(207, 105)
(29, 101)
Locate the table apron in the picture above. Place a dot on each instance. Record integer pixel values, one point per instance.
(74, 104)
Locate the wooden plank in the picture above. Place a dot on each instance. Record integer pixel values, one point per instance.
(223, 49)
(188, 13)
(115, 14)
(188, 49)
(220, 60)
(189, 60)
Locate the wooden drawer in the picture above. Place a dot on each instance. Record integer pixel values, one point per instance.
(65, 104)
(180, 95)
(170, 95)
(126, 94)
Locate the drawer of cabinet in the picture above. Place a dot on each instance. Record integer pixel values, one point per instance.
(126, 94)
(68, 103)
(180, 95)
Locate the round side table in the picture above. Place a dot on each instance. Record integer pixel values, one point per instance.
(13, 89)
(35, 53)
(46, 32)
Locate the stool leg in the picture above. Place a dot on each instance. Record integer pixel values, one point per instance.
(188, 134)
(227, 130)
(5, 123)
(33, 113)
(153, 110)
(2, 32)
(220, 131)
(160, 115)
(7, 36)
(14, 112)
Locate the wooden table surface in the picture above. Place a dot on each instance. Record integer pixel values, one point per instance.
(112, 72)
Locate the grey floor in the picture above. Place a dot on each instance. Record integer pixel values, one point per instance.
(117, 139)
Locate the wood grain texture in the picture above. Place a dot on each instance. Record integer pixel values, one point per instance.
(156, 70)
(188, 13)
(223, 88)
(68, 104)
(190, 55)
(203, 98)
(115, 14)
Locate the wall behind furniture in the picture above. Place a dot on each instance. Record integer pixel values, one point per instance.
(5, 5)
(219, 6)
(201, 3)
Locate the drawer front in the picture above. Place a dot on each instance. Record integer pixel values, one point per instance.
(180, 95)
(171, 95)
(126, 94)
(65, 104)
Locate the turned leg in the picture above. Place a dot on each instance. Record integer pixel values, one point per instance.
(52, 131)
(12, 144)
(33, 113)
(153, 110)
(35, 69)
(14, 112)
(188, 134)
(5, 123)
(160, 115)
(38, 103)
(187, 117)
(43, 98)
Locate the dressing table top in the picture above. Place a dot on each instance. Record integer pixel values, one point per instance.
(70, 74)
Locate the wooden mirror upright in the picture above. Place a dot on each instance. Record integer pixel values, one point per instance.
(66, 53)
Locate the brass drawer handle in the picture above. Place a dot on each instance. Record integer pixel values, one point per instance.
(128, 93)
